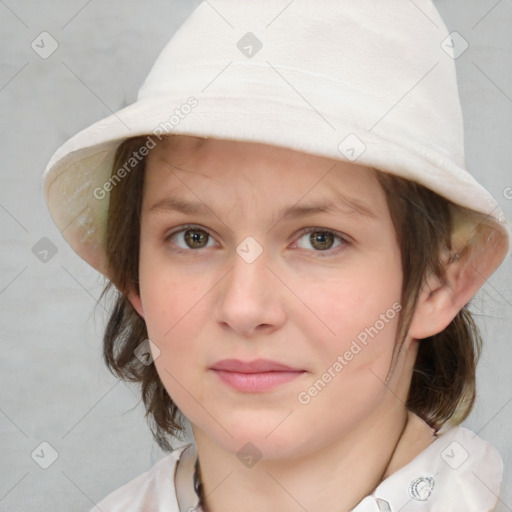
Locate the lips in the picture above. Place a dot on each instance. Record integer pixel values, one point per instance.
(254, 376)
(257, 366)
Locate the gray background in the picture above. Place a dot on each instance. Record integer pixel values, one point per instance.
(55, 387)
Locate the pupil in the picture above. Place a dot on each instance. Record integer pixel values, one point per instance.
(194, 239)
(319, 239)
(323, 238)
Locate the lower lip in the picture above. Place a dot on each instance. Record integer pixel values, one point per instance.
(255, 382)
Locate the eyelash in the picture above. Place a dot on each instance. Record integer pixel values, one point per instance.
(329, 252)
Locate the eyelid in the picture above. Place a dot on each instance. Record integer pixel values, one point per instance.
(345, 239)
(185, 227)
(313, 229)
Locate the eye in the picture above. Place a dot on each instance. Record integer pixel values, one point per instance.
(191, 237)
(323, 240)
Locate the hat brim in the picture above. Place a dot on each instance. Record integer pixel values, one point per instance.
(83, 165)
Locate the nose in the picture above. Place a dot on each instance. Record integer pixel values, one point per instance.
(251, 298)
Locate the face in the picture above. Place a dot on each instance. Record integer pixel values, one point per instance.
(250, 252)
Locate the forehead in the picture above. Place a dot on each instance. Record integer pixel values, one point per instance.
(205, 169)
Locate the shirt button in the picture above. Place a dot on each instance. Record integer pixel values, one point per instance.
(420, 488)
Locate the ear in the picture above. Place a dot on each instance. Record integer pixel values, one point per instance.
(136, 302)
(467, 269)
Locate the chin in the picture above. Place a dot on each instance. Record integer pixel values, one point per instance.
(267, 437)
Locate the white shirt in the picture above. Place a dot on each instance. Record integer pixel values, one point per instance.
(457, 472)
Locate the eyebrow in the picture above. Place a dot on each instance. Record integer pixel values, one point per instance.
(349, 207)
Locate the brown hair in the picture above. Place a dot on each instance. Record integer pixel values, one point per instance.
(443, 381)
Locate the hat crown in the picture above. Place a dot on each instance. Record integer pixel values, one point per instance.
(366, 81)
(380, 63)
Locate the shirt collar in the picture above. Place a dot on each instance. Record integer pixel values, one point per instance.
(457, 471)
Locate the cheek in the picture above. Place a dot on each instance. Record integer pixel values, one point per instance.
(169, 310)
(351, 366)
(362, 309)
(167, 297)
(173, 326)
(175, 309)
(360, 304)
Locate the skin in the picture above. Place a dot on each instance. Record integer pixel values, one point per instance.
(295, 304)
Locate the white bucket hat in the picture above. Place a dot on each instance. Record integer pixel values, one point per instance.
(365, 81)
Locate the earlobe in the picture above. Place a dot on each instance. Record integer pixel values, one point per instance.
(466, 271)
(136, 302)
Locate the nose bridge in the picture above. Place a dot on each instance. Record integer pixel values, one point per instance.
(250, 296)
(249, 273)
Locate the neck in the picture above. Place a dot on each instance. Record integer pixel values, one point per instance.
(336, 476)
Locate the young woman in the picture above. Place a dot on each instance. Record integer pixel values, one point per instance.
(293, 239)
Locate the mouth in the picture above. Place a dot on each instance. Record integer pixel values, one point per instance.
(254, 376)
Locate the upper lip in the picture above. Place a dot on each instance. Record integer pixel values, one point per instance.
(256, 366)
